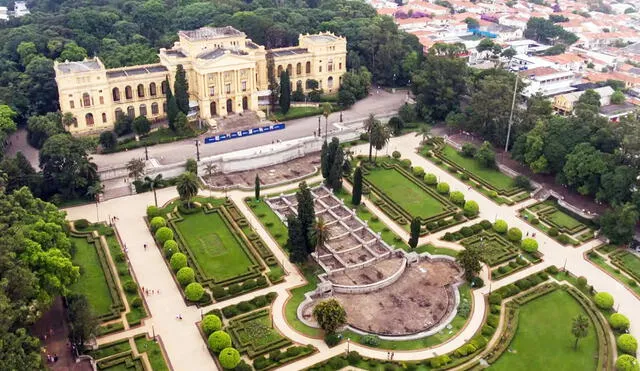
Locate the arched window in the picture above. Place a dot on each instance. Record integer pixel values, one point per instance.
(330, 65)
(307, 68)
(330, 82)
(86, 100)
(88, 118)
(154, 109)
(115, 94)
(164, 107)
(119, 113)
(152, 89)
(140, 91)
(131, 112)
(289, 69)
(128, 93)
(298, 68)
(279, 71)
(104, 117)
(163, 87)
(299, 85)
(143, 110)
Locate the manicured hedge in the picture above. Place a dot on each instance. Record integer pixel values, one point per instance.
(247, 306)
(603, 300)
(627, 344)
(619, 322)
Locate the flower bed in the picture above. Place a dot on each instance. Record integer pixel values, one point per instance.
(254, 334)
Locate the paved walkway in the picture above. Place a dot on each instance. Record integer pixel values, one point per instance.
(182, 339)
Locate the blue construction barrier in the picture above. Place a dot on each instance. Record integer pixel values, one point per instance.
(244, 133)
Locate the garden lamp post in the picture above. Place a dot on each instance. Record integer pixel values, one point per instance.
(319, 128)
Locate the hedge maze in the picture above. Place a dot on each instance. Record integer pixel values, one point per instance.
(227, 256)
(627, 262)
(254, 334)
(559, 223)
(495, 248)
(120, 356)
(412, 197)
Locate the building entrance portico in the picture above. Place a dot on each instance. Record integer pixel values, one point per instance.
(229, 105)
(245, 103)
(213, 109)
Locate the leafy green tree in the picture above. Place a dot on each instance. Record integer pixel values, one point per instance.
(108, 140)
(619, 224)
(469, 260)
(273, 84)
(72, 52)
(590, 100)
(285, 92)
(472, 23)
(19, 173)
(136, 168)
(415, 233)
(335, 174)
(330, 315)
(579, 328)
(545, 31)
(41, 128)
(123, 125)
(616, 185)
(355, 85)
(356, 197)
(296, 242)
(486, 156)
(141, 125)
(181, 124)
(191, 165)
(187, 187)
(306, 215)
(617, 97)
(325, 165)
(379, 136)
(583, 168)
(181, 89)
(396, 124)
(82, 322)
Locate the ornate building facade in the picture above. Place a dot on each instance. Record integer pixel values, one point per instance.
(227, 74)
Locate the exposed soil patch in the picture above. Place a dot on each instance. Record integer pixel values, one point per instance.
(367, 275)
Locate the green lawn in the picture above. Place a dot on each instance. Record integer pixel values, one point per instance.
(297, 112)
(563, 220)
(405, 193)
(630, 283)
(153, 352)
(630, 261)
(214, 246)
(310, 271)
(92, 281)
(492, 176)
(543, 340)
(270, 220)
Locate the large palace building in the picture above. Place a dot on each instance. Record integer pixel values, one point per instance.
(227, 74)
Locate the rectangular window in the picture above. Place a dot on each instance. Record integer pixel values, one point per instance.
(227, 88)
(212, 90)
(320, 69)
(101, 99)
(72, 104)
(244, 86)
(104, 117)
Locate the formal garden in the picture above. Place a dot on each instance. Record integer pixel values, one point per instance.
(559, 223)
(104, 275)
(488, 180)
(404, 193)
(247, 328)
(211, 245)
(126, 354)
(619, 262)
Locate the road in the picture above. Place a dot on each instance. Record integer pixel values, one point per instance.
(379, 102)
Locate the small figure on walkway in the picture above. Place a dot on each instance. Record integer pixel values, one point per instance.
(392, 354)
(145, 247)
(527, 233)
(55, 358)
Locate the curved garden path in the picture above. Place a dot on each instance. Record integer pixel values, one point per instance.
(182, 340)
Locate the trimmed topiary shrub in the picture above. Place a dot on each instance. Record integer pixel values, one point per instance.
(396, 154)
(457, 198)
(581, 282)
(514, 234)
(552, 232)
(130, 287)
(152, 211)
(500, 226)
(486, 224)
(81, 224)
(627, 344)
(442, 188)
(164, 234)
(157, 222)
(495, 298)
(493, 194)
(603, 300)
(627, 363)
(194, 291)
(169, 248)
(136, 302)
(210, 324)
(619, 322)
(529, 245)
(418, 171)
(430, 179)
(406, 163)
(185, 276)
(229, 358)
(178, 260)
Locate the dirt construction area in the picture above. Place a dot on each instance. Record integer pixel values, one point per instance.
(268, 175)
(420, 299)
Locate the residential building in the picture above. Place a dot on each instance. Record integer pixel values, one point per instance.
(547, 81)
(226, 72)
(565, 103)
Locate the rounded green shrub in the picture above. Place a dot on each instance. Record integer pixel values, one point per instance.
(627, 363)
(136, 302)
(582, 281)
(130, 287)
(418, 171)
(210, 324)
(152, 211)
(553, 232)
(185, 276)
(178, 260)
(169, 248)
(219, 340)
(194, 291)
(457, 197)
(619, 322)
(500, 226)
(430, 179)
(514, 234)
(529, 245)
(495, 298)
(164, 234)
(405, 163)
(627, 344)
(493, 194)
(442, 188)
(157, 222)
(396, 154)
(603, 300)
(81, 224)
(229, 358)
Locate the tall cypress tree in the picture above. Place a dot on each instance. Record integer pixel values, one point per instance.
(296, 242)
(356, 197)
(181, 89)
(325, 165)
(335, 175)
(257, 187)
(285, 92)
(415, 233)
(306, 214)
(273, 84)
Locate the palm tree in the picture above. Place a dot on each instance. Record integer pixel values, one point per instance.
(379, 136)
(210, 169)
(153, 183)
(425, 131)
(320, 233)
(326, 111)
(94, 191)
(68, 119)
(368, 125)
(579, 328)
(187, 186)
(136, 168)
